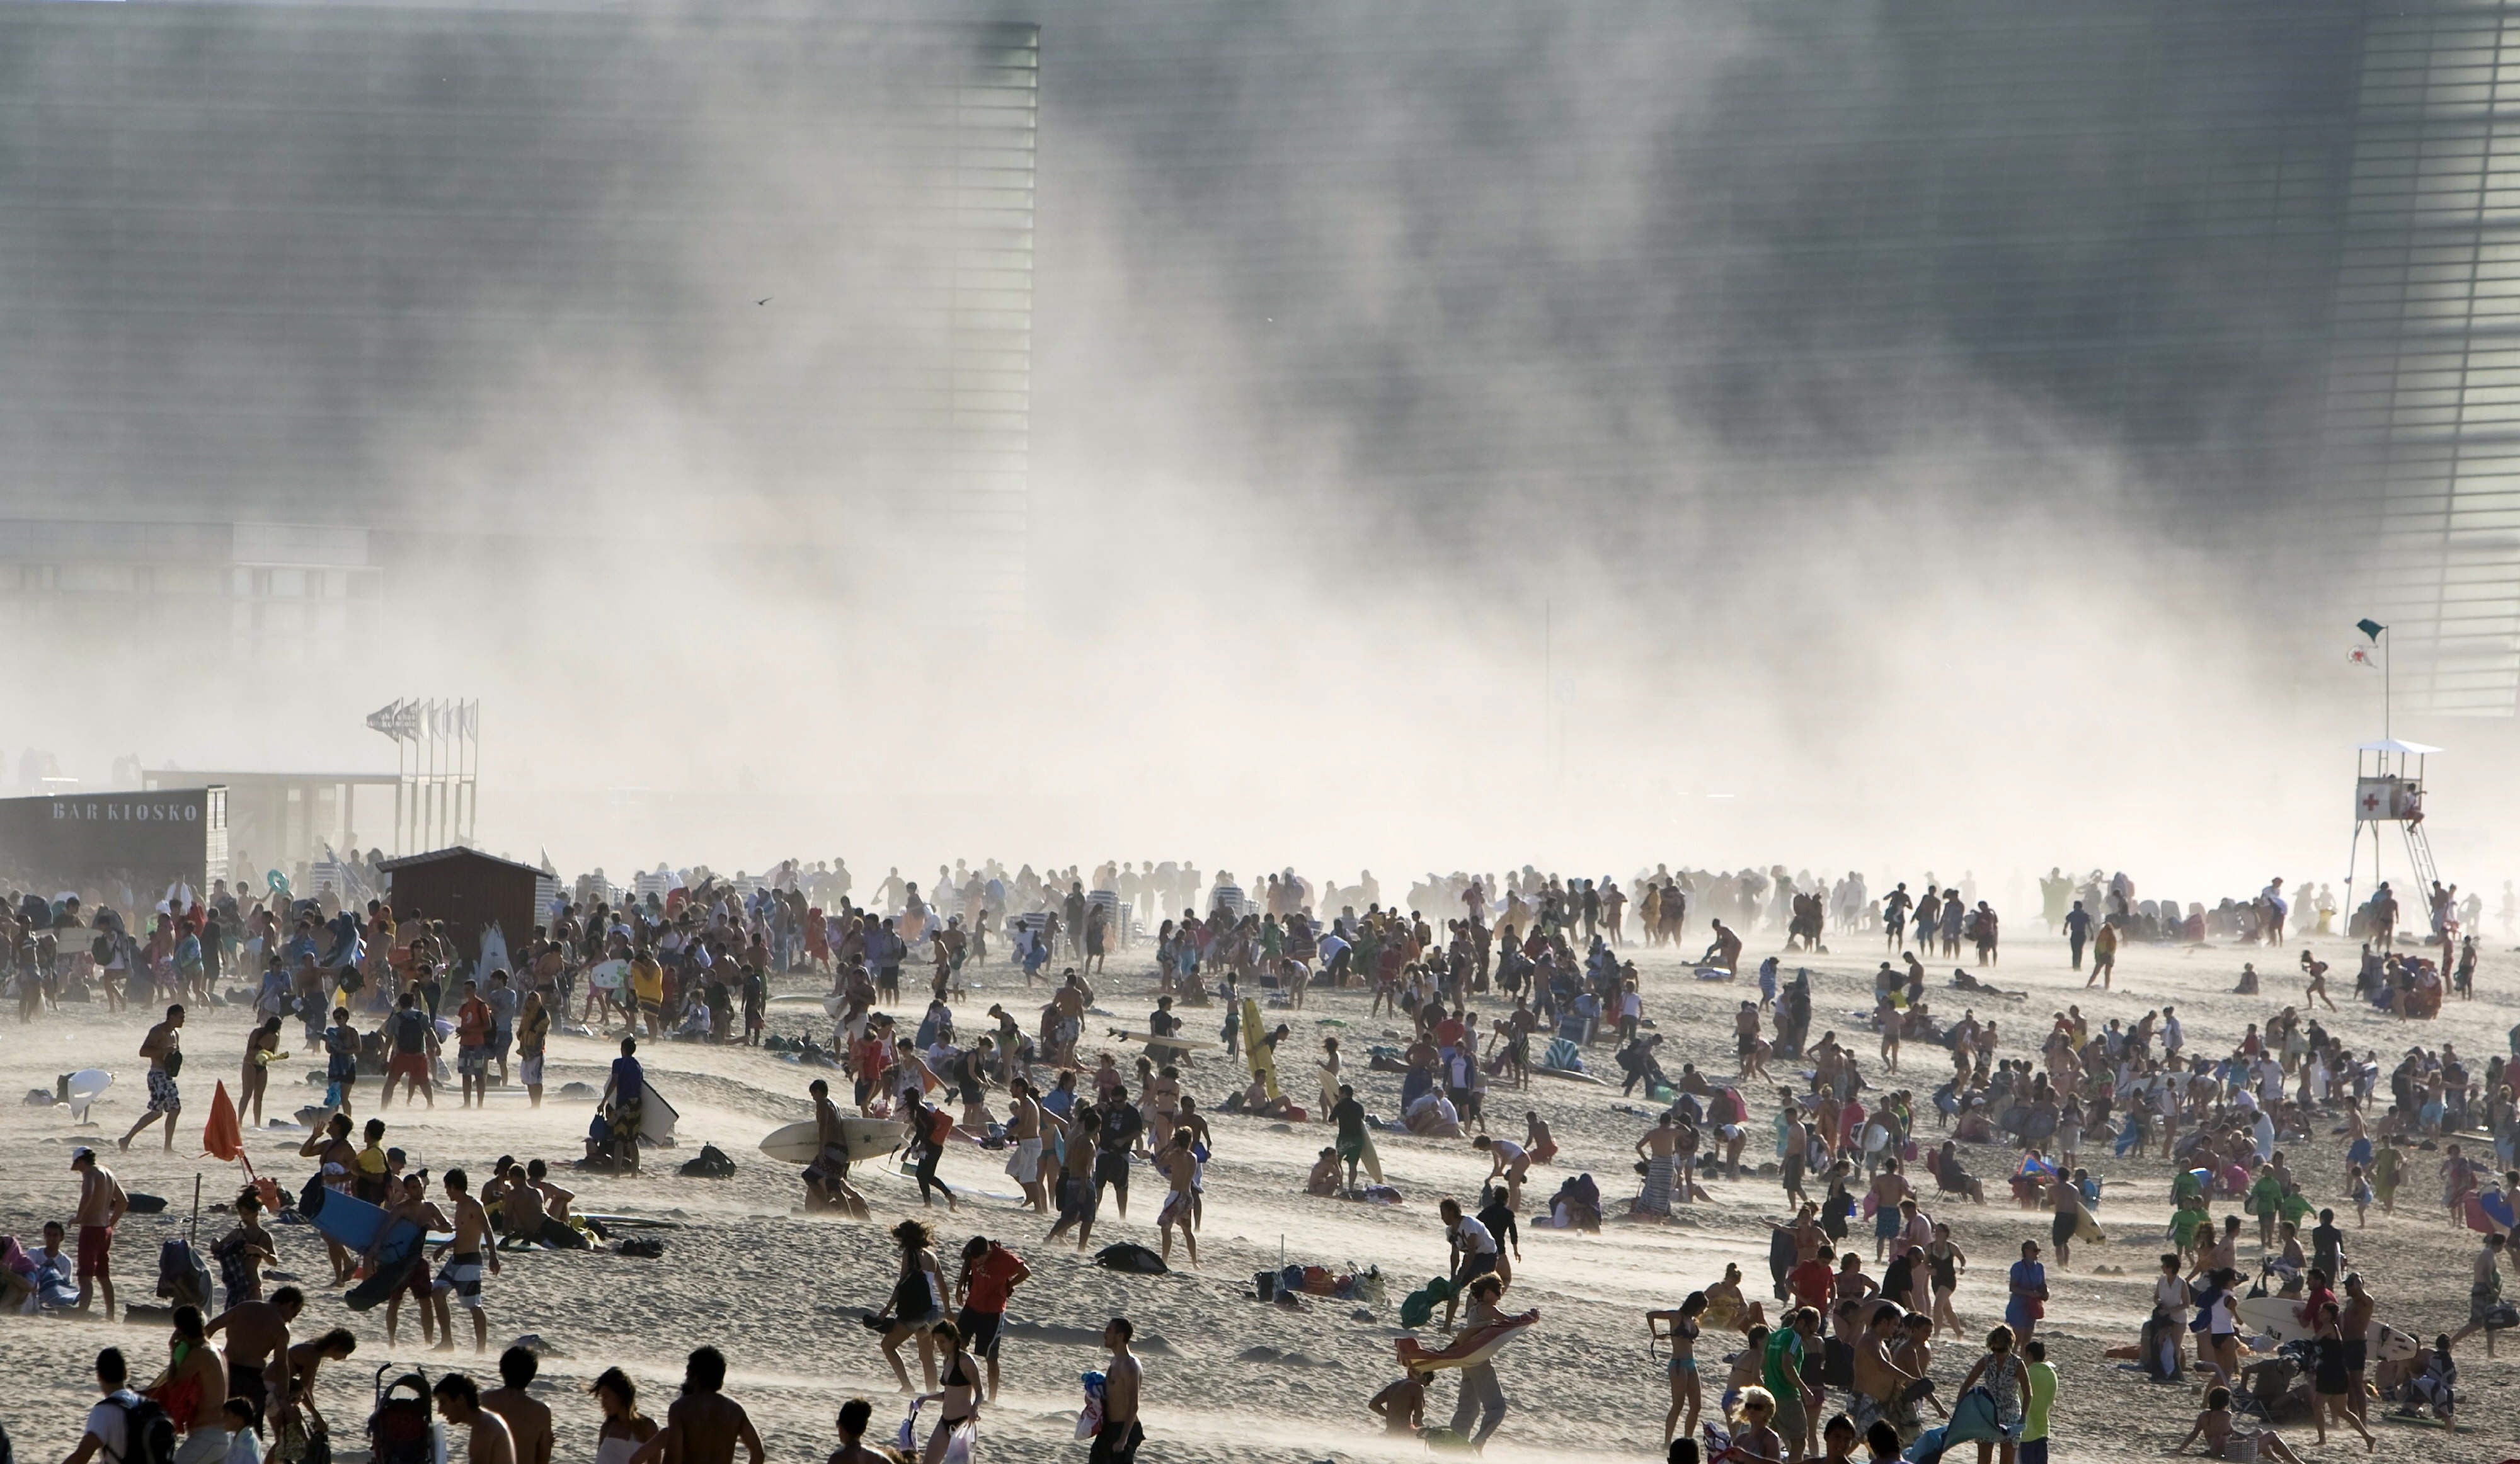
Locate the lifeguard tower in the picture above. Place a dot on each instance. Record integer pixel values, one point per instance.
(2389, 788)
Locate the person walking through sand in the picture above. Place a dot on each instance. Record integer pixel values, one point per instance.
(459, 1279)
(163, 1047)
(261, 1050)
(1179, 1167)
(2104, 957)
(102, 1205)
(990, 1274)
(1117, 1435)
(2007, 1385)
(916, 1304)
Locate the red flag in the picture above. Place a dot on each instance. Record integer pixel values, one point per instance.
(223, 1138)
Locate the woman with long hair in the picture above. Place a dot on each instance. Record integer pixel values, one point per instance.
(916, 1304)
(625, 1429)
(261, 1049)
(957, 1396)
(1686, 1400)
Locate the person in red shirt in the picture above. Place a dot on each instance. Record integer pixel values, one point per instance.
(868, 1057)
(472, 1045)
(990, 1274)
(1814, 1281)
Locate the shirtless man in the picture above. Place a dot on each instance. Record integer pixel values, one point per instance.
(704, 1425)
(1024, 1132)
(1889, 1188)
(1078, 1196)
(459, 1402)
(1116, 1438)
(1881, 1383)
(530, 1422)
(101, 1208)
(1402, 1406)
(204, 1424)
(2359, 1310)
(163, 1047)
(1179, 1169)
(460, 1277)
(257, 1347)
(826, 1178)
(851, 1426)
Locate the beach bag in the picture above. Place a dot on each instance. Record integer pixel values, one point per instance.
(182, 1279)
(964, 1443)
(713, 1164)
(940, 1128)
(1136, 1260)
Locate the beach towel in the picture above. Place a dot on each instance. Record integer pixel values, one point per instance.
(1419, 1307)
(222, 1135)
(1658, 1196)
(1468, 1350)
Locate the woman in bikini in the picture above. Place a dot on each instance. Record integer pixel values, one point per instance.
(260, 1048)
(956, 1396)
(1680, 1331)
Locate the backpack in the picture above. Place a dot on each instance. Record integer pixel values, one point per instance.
(148, 1434)
(398, 1432)
(940, 1128)
(713, 1164)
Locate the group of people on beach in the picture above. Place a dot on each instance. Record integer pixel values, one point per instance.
(695, 962)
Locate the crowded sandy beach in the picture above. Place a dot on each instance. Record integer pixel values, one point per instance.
(1603, 1183)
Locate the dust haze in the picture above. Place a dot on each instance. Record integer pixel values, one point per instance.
(1455, 441)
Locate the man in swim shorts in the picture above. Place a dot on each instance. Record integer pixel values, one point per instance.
(460, 1277)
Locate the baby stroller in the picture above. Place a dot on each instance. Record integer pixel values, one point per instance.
(401, 1429)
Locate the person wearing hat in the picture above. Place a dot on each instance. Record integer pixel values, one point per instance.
(100, 1207)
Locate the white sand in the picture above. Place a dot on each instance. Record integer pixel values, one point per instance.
(769, 1286)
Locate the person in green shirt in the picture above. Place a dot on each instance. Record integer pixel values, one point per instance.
(2295, 1206)
(2185, 1186)
(1783, 1373)
(2265, 1200)
(2186, 1222)
(2034, 1408)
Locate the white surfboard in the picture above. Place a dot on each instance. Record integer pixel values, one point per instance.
(2389, 1344)
(85, 1086)
(656, 1119)
(866, 1138)
(1186, 1043)
(2274, 1317)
